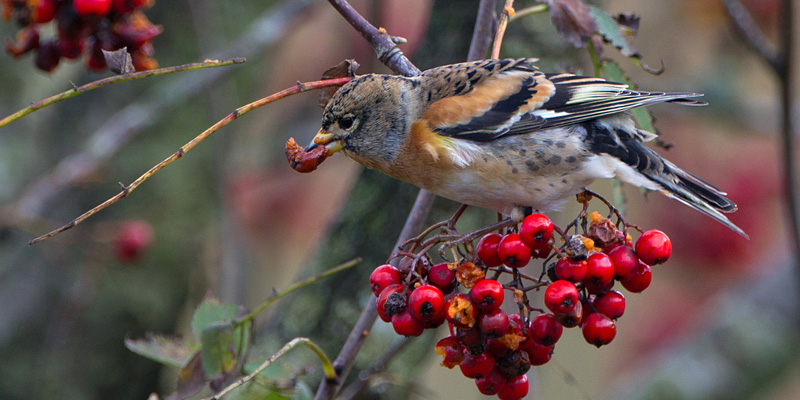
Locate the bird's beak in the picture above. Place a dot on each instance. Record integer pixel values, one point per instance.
(325, 138)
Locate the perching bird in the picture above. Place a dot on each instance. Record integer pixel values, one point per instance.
(500, 134)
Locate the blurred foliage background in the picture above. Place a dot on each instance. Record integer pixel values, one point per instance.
(231, 219)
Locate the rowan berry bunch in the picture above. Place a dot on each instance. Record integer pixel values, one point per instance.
(82, 27)
(581, 265)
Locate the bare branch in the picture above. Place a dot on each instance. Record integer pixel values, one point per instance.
(755, 38)
(381, 41)
(484, 30)
(508, 11)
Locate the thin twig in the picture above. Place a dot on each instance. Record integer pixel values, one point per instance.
(537, 9)
(327, 367)
(76, 90)
(508, 11)
(277, 296)
(124, 125)
(126, 190)
(356, 387)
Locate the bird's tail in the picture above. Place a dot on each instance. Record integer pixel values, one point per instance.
(642, 162)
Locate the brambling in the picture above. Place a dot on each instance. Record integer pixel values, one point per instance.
(502, 135)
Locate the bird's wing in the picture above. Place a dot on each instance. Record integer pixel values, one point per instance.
(518, 98)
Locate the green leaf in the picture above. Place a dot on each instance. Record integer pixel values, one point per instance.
(211, 311)
(641, 115)
(610, 29)
(218, 349)
(175, 352)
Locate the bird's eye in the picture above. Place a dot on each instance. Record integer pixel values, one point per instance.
(346, 122)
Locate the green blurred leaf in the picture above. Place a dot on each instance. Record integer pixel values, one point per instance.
(611, 32)
(211, 311)
(641, 115)
(218, 349)
(175, 352)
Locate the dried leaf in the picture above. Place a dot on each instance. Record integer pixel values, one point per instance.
(175, 352)
(617, 34)
(191, 379)
(119, 61)
(629, 22)
(573, 20)
(346, 68)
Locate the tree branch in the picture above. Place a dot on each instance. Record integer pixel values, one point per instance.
(755, 38)
(347, 355)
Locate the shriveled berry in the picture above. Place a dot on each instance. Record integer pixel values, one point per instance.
(47, 56)
(573, 318)
(472, 340)
(70, 48)
(514, 389)
(126, 6)
(477, 366)
(405, 324)
(640, 280)
(625, 262)
(441, 276)
(492, 383)
(487, 250)
(611, 304)
(545, 330)
(571, 270)
(391, 301)
(451, 351)
(382, 277)
(654, 247)
(494, 324)
(426, 303)
(536, 231)
(461, 311)
(514, 363)
(487, 294)
(560, 297)
(512, 252)
(599, 330)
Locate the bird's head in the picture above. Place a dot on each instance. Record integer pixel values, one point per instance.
(368, 118)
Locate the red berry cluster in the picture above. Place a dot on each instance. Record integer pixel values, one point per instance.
(82, 26)
(495, 348)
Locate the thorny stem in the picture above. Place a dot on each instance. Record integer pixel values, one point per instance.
(126, 190)
(76, 90)
(298, 285)
(327, 367)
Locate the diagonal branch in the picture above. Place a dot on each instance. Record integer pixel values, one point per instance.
(755, 38)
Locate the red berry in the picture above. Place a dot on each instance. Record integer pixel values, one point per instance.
(640, 280)
(426, 303)
(599, 270)
(441, 276)
(545, 330)
(461, 311)
(487, 250)
(70, 48)
(536, 231)
(492, 383)
(44, 11)
(487, 294)
(599, 330)
(561, 297)
(405, 324)
(571, 270)
(512, 252)
(133, 239)
(625, 261)
(391, 301)
(514, 389)
(477, 366)
(451, 350)
(382, 277)
(47, 56)
(126, 6)
(611, 304)
(97, 8)
(537, 353)
(654, 247)
(593, 288)
(494, 324)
